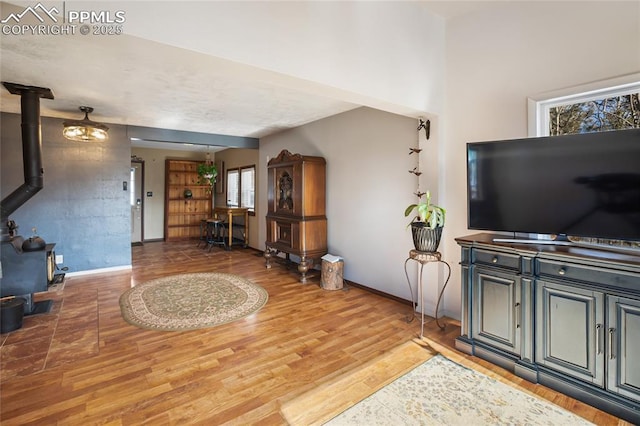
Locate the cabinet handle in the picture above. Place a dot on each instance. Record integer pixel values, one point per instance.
(495, 259)
(562, 271)
(518, 315)
(598, 339)
(612, 355)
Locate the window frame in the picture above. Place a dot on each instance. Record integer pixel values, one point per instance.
(239, 170)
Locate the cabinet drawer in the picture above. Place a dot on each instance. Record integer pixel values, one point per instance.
(587, 274)
(283, 234)
(498, 259)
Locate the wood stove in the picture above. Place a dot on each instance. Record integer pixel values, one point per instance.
(25, 272)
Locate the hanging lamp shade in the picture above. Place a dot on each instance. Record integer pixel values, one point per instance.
(85, 130)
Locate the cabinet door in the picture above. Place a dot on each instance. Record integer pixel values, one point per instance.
(286, 190)
(570, 331)
(496, 309)
(623, 337)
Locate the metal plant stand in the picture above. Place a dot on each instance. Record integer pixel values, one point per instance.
(423, 258)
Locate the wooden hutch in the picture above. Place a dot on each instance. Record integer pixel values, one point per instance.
(296, 211)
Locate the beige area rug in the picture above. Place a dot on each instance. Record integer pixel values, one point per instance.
(191, 301)
(435, 390)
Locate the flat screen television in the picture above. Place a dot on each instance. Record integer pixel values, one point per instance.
(584, 185)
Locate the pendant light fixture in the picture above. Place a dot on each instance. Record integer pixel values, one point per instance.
(85, 130)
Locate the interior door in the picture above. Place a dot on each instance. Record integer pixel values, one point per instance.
(136, 189)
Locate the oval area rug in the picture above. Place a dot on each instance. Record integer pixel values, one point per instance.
(191, 301)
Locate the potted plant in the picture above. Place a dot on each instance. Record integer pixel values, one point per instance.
(207, 173)
(426, 226)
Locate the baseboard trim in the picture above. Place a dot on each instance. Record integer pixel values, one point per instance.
(378, 292)
(99, 271)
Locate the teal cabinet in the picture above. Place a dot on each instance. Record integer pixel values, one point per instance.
(565, 316)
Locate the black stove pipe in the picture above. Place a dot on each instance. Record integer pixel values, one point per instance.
(31, 152)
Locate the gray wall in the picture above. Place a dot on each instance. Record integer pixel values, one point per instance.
(368, 189)
(82, 207)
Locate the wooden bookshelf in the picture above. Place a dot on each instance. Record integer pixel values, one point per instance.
(183, 214)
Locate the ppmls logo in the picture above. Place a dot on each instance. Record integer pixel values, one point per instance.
(33, 11)
(40, 20)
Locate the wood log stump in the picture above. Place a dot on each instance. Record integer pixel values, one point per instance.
(332, 275)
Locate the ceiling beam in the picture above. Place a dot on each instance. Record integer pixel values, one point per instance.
(180, 136)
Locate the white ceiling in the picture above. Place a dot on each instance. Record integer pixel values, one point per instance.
(129, 80)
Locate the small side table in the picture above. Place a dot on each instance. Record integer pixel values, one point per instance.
(424, 257)
(232, 212)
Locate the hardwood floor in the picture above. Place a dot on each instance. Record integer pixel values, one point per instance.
(83, 364)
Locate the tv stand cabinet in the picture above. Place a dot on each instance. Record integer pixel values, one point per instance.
(562, 316)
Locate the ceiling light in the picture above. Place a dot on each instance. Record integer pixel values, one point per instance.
(85, 130)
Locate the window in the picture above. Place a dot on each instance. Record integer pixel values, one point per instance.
(596, 115)
(241, 187)
(611, 105)
(132, 187)
(233, 186)
(247, 187)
